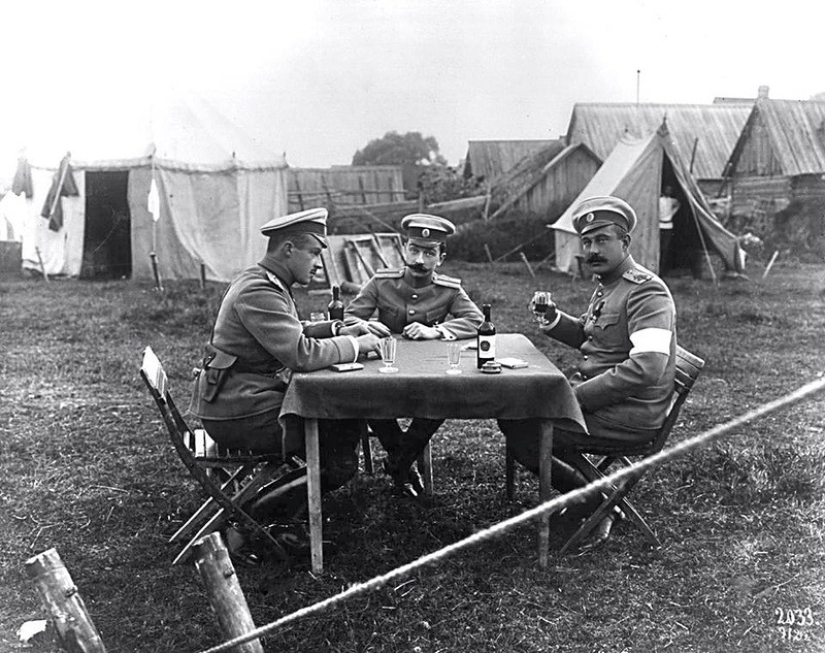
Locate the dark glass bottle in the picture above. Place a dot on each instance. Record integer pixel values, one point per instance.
(336, 306)
(486, 339)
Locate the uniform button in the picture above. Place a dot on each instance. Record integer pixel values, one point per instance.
(584, 376)
(585, 357)
(599, 294)
(590, 337)
(412, 311)
(415, 296)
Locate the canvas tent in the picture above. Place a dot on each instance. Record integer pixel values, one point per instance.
(215, 187)
(635, 171)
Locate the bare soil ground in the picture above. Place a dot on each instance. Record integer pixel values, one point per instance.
(85, 467)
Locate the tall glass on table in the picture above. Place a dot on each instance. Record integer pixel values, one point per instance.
(388, 347)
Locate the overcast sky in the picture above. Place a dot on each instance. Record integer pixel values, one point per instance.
(318, 79)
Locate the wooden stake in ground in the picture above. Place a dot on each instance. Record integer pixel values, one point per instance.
(225, 594)
(770, 264)
(527, 263)
(43, 267)
(75, 631)
(155, 271)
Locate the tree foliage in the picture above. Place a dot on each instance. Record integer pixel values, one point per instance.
(399, 149)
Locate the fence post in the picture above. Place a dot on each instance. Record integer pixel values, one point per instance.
(224, 591)
(75, 631)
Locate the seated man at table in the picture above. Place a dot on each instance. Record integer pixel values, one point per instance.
(418, 303)
(627, 338)
(258, 341)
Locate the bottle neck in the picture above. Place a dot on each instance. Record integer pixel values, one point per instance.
(486, 311)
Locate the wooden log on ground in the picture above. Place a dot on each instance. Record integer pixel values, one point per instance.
(76, 633)
(224, 591)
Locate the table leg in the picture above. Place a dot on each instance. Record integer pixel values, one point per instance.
(314, 495)
(545, 487)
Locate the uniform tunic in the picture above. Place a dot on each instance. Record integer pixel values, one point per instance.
(398, 304)
(260, 340)
(628, 342)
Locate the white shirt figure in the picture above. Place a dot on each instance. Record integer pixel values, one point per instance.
(668, 206)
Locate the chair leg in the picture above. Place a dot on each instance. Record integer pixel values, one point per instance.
(509, 475)
(425, 467)
(366, 449)
(210, 505)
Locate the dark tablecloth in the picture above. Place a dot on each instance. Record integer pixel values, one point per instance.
(421, 387)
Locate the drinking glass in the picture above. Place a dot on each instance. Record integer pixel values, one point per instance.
(541, 299)
(388, 346)
(316, 316)
(454, 357)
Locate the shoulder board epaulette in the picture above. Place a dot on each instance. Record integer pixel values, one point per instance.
(449, 282)
(389, 273)
(275, 281)
(638, 275)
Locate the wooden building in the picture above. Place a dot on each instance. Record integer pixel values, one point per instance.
(344, 186)
(488, 160)
(704, 135)
(546, 182)
(779, 159)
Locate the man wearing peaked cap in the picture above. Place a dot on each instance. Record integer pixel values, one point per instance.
(258, 341)
(596, 212)
(311, 221)
(418, 303)
(627, 337)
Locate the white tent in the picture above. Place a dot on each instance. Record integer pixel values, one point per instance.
(216, 187)
(634, 172)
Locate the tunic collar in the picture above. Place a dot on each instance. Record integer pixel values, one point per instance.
(276, 267)
(616, 274)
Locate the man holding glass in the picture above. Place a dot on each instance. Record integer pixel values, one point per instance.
(417, 303)
(627, 338)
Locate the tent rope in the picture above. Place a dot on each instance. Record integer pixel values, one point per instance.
(551, 505)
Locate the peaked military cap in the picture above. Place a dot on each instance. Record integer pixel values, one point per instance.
(596, 212)
(427, 230)
(311, 221)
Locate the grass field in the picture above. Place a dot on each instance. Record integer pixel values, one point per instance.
(85, 467)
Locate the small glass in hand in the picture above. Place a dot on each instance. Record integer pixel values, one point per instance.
(454, 357)
(388, 348)
(540, 303)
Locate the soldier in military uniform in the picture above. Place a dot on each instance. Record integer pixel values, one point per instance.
(257, 342)
(417, 303)
(627, 338)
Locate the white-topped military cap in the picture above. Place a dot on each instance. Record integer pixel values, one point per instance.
(596, 212)
(426, 229)
(311, 221)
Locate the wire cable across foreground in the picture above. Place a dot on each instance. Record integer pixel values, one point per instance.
(552, 505)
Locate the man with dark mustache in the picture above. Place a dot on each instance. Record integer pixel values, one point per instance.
(415, 302)
(627, 338)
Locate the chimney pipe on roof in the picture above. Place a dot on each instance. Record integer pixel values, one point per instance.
(763, 92)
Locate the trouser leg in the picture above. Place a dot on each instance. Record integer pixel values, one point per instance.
(389, 434)
(416, 439)
(522, 437)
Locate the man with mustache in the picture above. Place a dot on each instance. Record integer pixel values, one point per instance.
(258, 341)
(415, 302)
(627, 338)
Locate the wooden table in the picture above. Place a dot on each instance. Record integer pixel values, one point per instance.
(421, 388)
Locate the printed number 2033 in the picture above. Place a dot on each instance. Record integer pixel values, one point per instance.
(799, 617)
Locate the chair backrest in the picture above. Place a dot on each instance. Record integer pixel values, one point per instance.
(153, 374)
(688, 368)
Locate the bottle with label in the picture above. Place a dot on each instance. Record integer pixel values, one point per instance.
(336, 306)
(486, 339)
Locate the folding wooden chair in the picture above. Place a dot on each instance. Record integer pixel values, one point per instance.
(247, 475)
(688, 368)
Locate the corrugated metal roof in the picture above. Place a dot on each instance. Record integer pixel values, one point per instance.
(797, 132)
(717, 126)
(489, 159)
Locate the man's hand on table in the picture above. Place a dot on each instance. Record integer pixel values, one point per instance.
(418, 331)
(372, 326)
(368, 343)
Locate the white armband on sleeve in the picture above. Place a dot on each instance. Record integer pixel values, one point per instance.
(651, 340)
